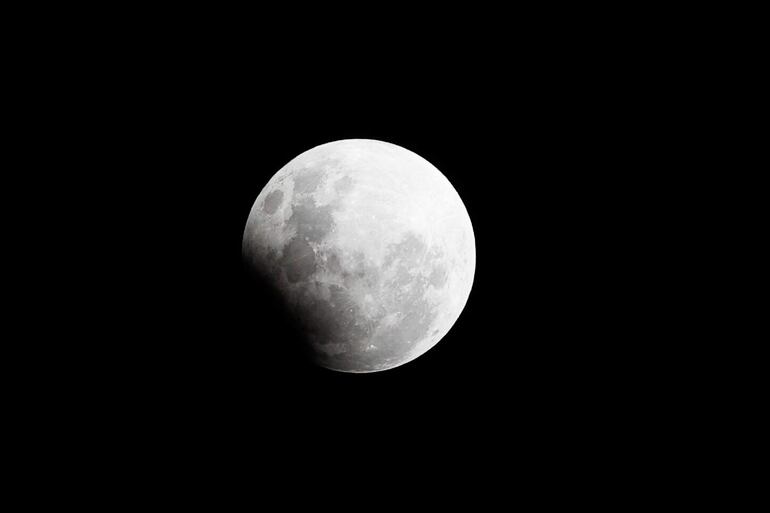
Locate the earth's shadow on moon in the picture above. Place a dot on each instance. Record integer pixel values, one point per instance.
(282, 346)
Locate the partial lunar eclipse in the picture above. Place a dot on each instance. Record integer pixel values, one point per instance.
(371, 248)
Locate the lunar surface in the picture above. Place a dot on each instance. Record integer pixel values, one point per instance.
(371, 248)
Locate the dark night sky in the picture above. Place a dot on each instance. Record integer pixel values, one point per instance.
(157, 368)
(541, 170)
(546, 144)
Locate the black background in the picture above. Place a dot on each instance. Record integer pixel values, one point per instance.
(547, 337)
(545, 134)
(576, 138)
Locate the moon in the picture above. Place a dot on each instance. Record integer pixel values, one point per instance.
(370, 247)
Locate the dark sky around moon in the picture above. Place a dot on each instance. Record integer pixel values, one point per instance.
(539, 178)
(541, 328)
(554, 337)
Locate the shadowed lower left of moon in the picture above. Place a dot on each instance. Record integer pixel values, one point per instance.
(282, 344)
